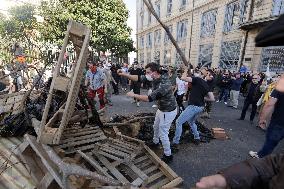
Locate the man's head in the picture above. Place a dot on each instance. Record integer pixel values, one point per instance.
(209, 75)
(255, 79)
(238, 75)
(92, 67)
(152, 71)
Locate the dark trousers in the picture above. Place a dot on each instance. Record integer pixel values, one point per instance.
(208, 107)
(179, 99)
(274, 134)
(224, 93)
(115, 88)
(245, 108)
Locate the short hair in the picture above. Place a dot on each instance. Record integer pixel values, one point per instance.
(153, 67)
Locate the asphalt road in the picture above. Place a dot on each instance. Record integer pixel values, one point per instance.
(193, 162)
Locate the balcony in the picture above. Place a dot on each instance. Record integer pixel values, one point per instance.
(252, 24)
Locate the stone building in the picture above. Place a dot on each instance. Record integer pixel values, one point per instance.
(216, 33)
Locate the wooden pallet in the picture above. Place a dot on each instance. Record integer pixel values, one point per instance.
(79, 36)
(12, 103)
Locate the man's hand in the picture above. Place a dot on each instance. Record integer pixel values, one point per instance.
(214, 181)
(262, 124)
(119, 72)
(130, 94)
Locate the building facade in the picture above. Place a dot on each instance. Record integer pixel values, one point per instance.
(211, 33)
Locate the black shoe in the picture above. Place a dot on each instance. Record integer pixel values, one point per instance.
(167, 159)
(196, 141)
(153, 145)
(241, 118)
(174, 148)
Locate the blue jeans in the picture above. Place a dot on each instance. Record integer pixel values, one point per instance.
(188, 115)
(274, 134)
(224, 93)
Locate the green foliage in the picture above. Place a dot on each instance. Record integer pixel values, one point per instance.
(106, 18)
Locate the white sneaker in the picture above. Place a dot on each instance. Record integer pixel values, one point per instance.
(217, 101)
(225, 103)
(253, 154)
(133, 101)
(138, 104)
(154, 106)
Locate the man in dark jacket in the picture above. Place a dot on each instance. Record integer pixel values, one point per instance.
(235, 90)
(266, 173)
(253, 96)
(225, 87)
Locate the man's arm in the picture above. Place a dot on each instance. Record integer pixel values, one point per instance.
(143, 98)
(252, 173)
(184, 77)
(210, 97)
(266, 111)
(130, 77)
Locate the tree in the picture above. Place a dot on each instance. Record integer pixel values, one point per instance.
(150, 7)
(20, 26)
(106, 18)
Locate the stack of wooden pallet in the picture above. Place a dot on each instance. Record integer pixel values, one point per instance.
(65, 155)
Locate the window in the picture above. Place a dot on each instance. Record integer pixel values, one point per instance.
(142, 42)
(278, 7)
(157, 37)
(272, 56)
(149, 40)
(208, 23)
(149, 17)
(169, 6)
(167, 39)
(205, 55)
(230, 52)
(243, 10)
(232, 16)
(149, 59)
(157, 57)
(182, 4)
(182, 30)
(158, 8)
(178, 61)
(142, 20)
(141, 58)
(167, 57)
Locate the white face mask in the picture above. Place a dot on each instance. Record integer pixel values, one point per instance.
(196, 75)
(149, 78)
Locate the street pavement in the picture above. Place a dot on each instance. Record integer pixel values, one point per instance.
(193, 162)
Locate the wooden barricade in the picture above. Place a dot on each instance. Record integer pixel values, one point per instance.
(79, 36)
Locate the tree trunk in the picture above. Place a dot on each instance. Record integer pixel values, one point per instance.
(150, 7)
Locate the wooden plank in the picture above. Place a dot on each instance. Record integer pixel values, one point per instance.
(137, 182)
(141, 174)
(122, 145)
(160, 183)
(95, 164)
(73, 130)
(145, 164)
(77, 143)
(140, 159)
(130, 146)
(164, 167)
(74, 139)
(111, 156)
(78, 29)
(150, 169)
(50, 166)
(62, 83)
(155, 177)
(113, 170)
(83, 133)
(173, 183)
(47, 182)
(111, 150)
(117, 147)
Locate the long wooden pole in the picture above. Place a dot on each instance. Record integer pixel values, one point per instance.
(150, 7)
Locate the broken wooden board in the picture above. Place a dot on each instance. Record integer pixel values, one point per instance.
(12, 103)
(48, 170)
(79, 35)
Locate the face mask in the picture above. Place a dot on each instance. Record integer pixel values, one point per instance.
(149, 78)
(196, 75)
(94, 69)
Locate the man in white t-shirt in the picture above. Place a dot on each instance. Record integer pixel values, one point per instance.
(181, 89)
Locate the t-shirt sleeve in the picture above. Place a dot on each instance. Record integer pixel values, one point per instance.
(275, 94)
(194, 81)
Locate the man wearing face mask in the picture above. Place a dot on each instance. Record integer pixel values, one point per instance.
(252, 98)
(199, 93)
(95, 79)
(136, 85)
(163, 95)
